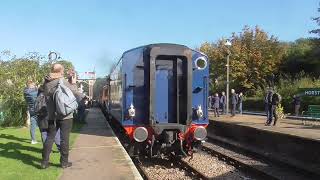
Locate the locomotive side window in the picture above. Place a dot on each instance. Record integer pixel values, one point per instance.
(116, 90)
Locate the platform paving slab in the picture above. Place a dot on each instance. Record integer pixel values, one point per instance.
(98, 154)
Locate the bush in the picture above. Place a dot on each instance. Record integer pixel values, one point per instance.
(14, 74)
(286, 87)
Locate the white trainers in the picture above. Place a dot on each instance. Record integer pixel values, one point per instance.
(34, 142)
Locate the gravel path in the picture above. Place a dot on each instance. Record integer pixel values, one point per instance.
(164, 169)
(213, 167)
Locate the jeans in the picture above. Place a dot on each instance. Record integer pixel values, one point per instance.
(65, 127)
(44, 134)
(240, 108)
(223, 108)
(271, 114)
(33, 127)
(81, 113)
(296, 110)
(273, 111)
(216, 111)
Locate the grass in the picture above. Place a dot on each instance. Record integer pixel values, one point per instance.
(21, 160)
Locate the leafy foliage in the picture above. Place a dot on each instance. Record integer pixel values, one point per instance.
(14, 73)
(254, 57)
(303, 55)
(279, 111)
(286, 87)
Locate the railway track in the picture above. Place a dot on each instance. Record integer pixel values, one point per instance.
(171, 168)
(252, 163)
(230, 162)
(148, 168)
(167, 168)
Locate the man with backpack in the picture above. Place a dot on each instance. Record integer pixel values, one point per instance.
(42, 117)
(61, 104)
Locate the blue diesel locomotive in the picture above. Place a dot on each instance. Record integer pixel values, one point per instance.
(158, 93)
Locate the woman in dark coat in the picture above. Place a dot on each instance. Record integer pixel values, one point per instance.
(215, 104)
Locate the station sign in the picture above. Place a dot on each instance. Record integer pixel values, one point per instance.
(310, 91)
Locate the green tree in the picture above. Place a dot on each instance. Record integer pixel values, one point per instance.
(97, 87)
(303, 55)
(14, 73)
(254, 57)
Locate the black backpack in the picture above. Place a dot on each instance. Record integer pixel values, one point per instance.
(41, 111)
(41, 106)
(276, 98)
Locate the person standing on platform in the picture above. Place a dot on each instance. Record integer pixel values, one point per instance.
(215, 105)
(266, 104)
(240, 102)
(55, 119)
(42, 118)
(234, 102)
(30, 95)
(223, 102)
(296, 103)
(210, 102)
(269, 107)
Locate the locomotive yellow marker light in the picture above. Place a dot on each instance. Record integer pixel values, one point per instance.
(199, 112)
(140, 134)
(201, 63)
(200, 133)
(132, 111)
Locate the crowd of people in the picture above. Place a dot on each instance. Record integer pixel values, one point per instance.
(271, 100)
(52, 107)
(216, 103)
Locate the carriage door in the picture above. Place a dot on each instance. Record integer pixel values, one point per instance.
(170, 89)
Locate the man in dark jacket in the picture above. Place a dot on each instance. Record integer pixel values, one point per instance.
(215, 104)
(234, 102)
(296, 103)
(55, 121)
(42, 117)
(240, 99)
(223, 101)
(268, 100)
(30, 95)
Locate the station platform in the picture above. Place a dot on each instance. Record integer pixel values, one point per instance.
(290, 141)
(286, 126)
(98, 154)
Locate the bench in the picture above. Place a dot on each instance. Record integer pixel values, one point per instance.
(313, 111)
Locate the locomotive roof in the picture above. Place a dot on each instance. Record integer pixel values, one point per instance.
(158, 44)
(164, 44)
